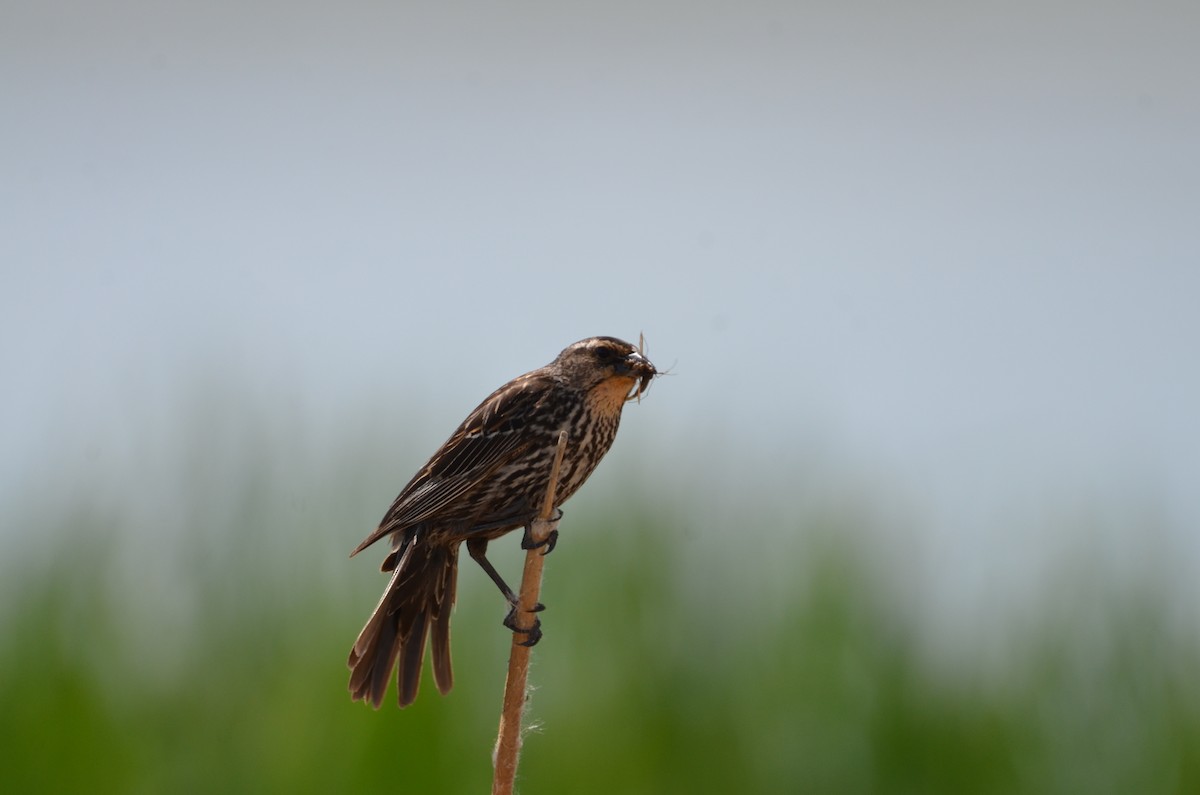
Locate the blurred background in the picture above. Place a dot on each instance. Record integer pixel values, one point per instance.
(915, 511)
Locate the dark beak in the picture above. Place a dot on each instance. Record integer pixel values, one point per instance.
(638, 365)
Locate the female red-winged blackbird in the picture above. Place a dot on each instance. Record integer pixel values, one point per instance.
(489, 478)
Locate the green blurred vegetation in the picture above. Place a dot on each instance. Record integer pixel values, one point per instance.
(209, 655)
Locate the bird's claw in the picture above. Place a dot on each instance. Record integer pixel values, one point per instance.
(527, 543)
(534, 633)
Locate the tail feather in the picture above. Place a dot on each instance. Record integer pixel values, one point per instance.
(416, 603)
(443, 675)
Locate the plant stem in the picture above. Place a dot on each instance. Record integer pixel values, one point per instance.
(508, 741)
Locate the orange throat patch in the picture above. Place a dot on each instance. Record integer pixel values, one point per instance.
(609, 396)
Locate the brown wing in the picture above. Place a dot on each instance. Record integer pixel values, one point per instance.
(489, 438)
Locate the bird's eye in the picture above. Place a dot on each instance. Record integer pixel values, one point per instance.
(605, 353)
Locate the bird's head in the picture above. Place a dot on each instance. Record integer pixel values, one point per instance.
(615, 366)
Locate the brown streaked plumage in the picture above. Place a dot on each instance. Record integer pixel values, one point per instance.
(486, 480)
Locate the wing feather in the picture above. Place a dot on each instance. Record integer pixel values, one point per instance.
(490, 437)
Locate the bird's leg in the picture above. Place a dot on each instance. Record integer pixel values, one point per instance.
(527, 542)
(477, 547)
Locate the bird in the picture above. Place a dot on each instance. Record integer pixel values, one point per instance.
(487, 479)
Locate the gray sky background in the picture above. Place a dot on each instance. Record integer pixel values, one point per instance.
(950, 249)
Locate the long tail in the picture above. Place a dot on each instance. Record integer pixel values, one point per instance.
(416, 604)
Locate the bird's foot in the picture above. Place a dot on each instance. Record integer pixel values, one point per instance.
(527, 542)
(533, 634)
